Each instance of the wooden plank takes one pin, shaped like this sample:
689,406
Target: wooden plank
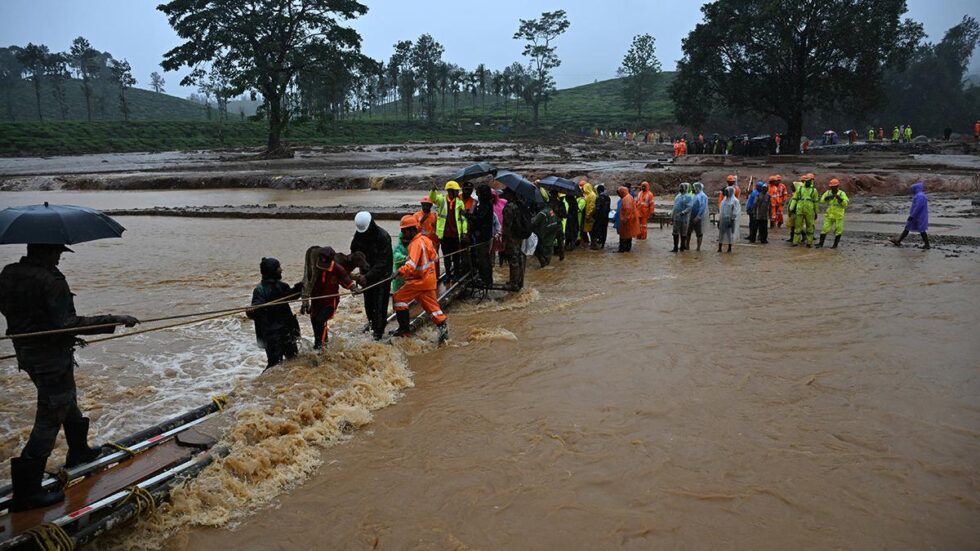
97,486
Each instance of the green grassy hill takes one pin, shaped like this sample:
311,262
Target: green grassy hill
143,104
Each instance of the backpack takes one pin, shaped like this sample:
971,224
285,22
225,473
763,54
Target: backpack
522,225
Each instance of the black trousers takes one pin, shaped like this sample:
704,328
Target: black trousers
483,263
763,228
453,264
376,301
57,406
599,233
319,322
279,347
753,228
625,245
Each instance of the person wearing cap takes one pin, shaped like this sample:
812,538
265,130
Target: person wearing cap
420,282
836,201
778,196
600,225
451,227
35,297
375,243
328,277
791,211
757,209
730,180
807,201
276,327
427,225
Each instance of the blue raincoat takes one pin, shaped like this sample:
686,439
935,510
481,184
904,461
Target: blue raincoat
919,214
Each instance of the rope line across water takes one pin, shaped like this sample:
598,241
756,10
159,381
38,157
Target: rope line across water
209,315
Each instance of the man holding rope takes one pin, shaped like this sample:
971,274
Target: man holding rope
35,297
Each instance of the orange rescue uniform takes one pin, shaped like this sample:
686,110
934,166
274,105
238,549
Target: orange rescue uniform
419,273
644,208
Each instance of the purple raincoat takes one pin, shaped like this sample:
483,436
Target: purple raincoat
919,214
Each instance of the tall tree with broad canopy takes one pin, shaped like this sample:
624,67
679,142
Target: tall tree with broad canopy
122,76
425,59
789,59
157,82
34,58
538,35
639,69
264,44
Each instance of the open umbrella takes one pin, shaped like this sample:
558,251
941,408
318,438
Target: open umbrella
521,186
561,185
474,171
55,225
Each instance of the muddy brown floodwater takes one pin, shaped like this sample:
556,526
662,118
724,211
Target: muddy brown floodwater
775,398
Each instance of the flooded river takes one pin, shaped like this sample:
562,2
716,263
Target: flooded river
774,398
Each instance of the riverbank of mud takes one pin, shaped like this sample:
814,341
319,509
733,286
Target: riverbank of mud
421,166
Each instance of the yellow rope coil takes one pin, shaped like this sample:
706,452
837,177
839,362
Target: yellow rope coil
51,537
142,498
221,401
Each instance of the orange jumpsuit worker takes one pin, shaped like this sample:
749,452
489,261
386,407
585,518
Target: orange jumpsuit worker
778,195
419,274
644,208
427,225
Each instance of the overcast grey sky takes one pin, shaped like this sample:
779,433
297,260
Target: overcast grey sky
590,50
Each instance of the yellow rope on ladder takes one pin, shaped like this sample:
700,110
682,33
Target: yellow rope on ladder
51,537
221,401
120,447
142,498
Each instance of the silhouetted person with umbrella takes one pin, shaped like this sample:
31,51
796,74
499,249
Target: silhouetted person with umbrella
35,297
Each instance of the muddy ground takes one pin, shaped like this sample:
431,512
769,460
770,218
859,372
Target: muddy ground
864,172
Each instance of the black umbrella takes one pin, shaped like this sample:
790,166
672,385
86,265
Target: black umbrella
55,225
521,186
473,172
561,185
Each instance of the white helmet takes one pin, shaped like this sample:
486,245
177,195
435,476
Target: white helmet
362,221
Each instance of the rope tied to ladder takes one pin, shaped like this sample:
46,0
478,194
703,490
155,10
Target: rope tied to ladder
142,499
51,537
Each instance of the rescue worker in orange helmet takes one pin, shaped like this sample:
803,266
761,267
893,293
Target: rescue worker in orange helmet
730,180
427,224
644,208
778,195
419,274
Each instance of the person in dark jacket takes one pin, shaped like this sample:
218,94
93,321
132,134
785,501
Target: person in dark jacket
34,296
375,243
276,327
483,226
561,211
601,223
513,241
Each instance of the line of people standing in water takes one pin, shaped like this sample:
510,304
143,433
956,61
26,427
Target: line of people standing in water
475,230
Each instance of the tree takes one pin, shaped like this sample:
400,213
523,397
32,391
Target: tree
157,82
34,58
122,76
56,71
405,77
790,59
264,44
538,35
10,72
83,58
639,69
426,57
482,81
930,94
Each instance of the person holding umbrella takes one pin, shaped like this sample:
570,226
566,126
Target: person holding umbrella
35,297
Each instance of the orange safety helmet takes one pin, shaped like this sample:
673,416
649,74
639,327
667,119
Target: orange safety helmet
773,178
426,201
730,179
834,182
808,176
408,221
778,178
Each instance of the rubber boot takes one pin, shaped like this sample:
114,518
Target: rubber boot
836,242
26,475
925,241
792,232
675,249
79,453
823,237
443,329
404,323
